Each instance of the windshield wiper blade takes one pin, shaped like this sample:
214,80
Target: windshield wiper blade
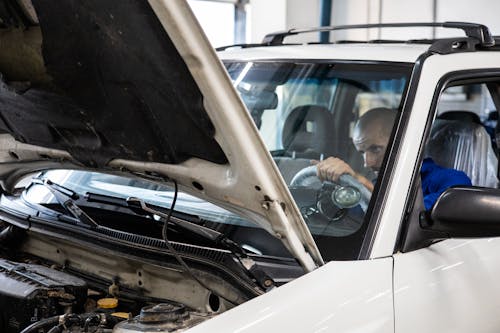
207,233
122,202
66,198
185,221
217,237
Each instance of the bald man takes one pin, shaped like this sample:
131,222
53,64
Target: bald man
371,137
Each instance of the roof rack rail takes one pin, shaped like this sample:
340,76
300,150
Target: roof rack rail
472,30
243,46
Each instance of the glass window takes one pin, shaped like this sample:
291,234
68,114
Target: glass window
315,115
461,148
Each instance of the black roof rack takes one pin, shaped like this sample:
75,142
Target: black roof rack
479,32
243,46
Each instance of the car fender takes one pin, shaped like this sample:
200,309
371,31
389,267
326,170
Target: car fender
341,296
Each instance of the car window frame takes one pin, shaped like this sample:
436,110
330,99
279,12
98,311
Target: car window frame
408,234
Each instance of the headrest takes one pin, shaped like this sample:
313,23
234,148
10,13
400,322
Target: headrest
308,128
467,116
465,146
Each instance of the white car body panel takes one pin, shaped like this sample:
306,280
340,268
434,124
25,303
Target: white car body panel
451,286
379,52
341,296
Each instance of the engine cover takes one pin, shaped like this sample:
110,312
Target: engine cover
31,292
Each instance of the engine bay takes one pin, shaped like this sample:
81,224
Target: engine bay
44,299
51,285
122,274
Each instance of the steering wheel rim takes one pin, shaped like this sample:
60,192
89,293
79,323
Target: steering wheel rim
306,174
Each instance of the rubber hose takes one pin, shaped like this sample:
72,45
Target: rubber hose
33,328
56,329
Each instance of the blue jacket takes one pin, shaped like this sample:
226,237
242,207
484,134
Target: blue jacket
436,180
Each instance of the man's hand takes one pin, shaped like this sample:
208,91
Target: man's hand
332,168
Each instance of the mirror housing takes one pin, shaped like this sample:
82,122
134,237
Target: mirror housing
465,212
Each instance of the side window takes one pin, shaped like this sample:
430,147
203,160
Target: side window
461,148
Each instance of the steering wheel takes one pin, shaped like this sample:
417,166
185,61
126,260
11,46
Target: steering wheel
348,189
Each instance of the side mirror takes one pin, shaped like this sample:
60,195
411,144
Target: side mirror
465,212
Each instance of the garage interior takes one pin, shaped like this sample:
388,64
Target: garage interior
248,21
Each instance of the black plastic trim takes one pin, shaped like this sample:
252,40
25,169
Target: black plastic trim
478,216
478,37
476,31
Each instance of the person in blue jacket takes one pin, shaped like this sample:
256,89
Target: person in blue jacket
371,137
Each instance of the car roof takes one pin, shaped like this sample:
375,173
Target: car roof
353,51
477,38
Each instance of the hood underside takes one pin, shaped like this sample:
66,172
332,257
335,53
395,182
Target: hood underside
111,85
134,86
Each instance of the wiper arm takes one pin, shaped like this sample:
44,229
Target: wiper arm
66,198
122,202
200,230
139,206
217,237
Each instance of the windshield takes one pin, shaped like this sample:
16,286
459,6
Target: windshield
322,121
308,114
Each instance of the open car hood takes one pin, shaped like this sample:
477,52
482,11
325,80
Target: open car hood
133,86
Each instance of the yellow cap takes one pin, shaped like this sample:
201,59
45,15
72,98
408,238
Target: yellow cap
107,303
124,315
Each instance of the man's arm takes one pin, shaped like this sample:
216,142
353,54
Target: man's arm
439,181
332,168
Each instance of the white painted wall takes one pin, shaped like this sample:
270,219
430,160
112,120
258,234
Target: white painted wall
273,15
220,32
303,14
276,15
266,16
406,11
480,11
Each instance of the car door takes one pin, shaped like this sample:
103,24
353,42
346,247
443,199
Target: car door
452,285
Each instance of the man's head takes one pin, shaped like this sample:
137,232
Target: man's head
371,135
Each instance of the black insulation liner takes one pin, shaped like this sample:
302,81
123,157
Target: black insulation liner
120,89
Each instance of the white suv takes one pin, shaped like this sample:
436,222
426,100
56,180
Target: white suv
148,186
405,268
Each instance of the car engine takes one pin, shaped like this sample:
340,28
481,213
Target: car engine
35,298
30,292
38,295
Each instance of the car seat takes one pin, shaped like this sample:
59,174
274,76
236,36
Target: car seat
465,116
308,132
470,117
459,141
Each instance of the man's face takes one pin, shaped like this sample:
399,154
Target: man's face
371,141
